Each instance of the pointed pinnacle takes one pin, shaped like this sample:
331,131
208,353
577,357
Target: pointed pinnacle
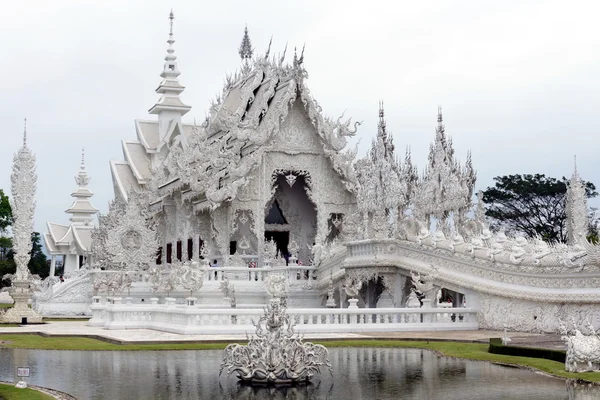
82,158
301,60
171,17
25,133
283,55
439,115
269,48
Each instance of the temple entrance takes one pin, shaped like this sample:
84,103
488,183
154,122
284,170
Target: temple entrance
281,239
290,216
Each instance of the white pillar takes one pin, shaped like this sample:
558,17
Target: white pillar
52,265
195,251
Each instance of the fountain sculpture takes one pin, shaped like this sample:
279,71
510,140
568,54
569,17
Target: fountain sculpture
275,354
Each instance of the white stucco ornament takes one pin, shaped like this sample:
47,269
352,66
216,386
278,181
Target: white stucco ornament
23,186
131,242
275,354
277,285
583,351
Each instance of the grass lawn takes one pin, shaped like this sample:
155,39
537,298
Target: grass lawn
470,351
5,305
9,392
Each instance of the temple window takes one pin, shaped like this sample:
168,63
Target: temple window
190,248
232,247
169,252
159,255
179,250
200,244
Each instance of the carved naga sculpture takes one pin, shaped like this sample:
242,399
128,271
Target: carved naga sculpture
583,351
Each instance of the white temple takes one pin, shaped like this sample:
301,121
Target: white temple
73,242
264,190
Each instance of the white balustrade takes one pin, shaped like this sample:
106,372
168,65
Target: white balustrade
294,273
190,319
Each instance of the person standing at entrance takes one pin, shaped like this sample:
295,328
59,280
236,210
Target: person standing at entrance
215,265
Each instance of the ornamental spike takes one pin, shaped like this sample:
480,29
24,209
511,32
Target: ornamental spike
245,50
282,59
269,48
25,133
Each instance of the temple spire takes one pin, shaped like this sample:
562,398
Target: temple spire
82,211
381,126
440,130
245,50
576,210
169,106
25,133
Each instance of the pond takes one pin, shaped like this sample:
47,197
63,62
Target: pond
358,373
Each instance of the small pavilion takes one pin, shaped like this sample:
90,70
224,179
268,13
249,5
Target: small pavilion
73,242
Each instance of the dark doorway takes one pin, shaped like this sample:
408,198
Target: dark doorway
281,239
275,215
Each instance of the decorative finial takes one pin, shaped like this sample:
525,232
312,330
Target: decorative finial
25,133
245,51
440,130
283,55
171,17
295,61
382,125
82,158
269,48
575,164
301,60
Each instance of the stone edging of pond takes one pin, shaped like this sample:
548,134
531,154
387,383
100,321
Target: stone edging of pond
57,394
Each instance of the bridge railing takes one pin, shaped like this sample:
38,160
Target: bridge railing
292,272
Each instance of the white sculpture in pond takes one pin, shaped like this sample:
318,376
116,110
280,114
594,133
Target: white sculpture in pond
275,354
583,351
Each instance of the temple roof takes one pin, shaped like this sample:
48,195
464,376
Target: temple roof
60,238
241,124
123,178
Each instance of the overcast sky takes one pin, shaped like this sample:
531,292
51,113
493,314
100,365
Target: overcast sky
517,80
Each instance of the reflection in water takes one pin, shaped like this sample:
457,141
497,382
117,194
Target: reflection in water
367,373
304,391
582,391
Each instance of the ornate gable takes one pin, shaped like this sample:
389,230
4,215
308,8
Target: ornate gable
297,133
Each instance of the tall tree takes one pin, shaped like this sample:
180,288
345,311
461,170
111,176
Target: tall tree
38,264
533,205
6,218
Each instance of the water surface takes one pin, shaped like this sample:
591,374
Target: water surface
358,373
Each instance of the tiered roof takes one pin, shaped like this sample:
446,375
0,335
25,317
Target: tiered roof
75,238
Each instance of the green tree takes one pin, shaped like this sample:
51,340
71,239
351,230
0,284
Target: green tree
38,263
6,218
533,205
